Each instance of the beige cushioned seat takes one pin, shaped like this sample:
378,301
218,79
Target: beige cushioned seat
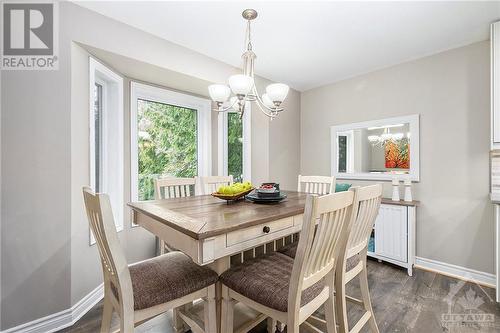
266,280
167,277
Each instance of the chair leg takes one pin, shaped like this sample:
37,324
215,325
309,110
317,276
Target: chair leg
330,315
340,299
271,325
329,305
365,295
177,321
227,311
211,311
293,328
107,314
127,323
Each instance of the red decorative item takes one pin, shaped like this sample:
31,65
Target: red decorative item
397,154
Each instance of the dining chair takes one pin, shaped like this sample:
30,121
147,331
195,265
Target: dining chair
352,262
316,184
319,185
210,184
143,290
289,290
172,187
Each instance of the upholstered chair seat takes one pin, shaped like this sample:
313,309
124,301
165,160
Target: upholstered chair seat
167,277
266,280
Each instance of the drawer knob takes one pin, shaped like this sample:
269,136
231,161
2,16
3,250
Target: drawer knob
266,229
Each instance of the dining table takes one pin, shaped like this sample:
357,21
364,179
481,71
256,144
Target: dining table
216,232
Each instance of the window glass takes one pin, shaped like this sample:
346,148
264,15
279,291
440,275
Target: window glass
97,137
235,146
167,143
342,153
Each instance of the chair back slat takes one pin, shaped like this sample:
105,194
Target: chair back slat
171,187
320,185
318,250
100,218
210,184
368,199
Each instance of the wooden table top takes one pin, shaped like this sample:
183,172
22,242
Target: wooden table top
204,216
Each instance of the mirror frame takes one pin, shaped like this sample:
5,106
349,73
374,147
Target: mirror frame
413,120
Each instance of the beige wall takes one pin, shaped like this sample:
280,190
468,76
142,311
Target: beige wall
451,93
284,144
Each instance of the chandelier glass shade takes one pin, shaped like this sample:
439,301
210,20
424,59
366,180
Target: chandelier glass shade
243,85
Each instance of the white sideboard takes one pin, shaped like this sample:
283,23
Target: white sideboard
393,236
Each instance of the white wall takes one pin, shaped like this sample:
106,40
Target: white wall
451,92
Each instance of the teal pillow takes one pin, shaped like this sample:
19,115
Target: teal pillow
340,187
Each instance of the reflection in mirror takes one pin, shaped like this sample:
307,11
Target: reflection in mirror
377,149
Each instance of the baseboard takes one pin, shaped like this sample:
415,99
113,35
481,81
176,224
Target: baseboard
459,272
63,319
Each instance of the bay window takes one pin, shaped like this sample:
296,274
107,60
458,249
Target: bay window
106,140
234,145
170,136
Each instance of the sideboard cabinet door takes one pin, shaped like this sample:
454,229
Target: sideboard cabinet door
391,230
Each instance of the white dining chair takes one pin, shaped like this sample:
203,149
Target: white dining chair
352,262
210,184
143,290
173,187
289,290
168,188
316,184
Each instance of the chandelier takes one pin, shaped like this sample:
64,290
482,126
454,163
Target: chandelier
386,136
243,85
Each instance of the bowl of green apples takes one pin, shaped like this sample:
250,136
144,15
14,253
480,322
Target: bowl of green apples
234,191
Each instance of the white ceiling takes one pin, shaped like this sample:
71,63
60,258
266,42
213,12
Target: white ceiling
310,44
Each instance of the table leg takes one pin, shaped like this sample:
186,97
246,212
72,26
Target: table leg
219,266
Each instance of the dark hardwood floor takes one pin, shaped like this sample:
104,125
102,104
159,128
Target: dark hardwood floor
425,303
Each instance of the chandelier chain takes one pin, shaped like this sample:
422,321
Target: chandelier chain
248,39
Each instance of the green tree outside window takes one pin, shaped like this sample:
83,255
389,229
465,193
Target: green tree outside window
167,143
235,146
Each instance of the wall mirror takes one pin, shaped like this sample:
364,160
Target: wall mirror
377,149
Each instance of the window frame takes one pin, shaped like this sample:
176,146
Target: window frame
349,149
162,95
222,165
112,99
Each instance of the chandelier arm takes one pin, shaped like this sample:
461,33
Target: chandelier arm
270,115
256,93
224,109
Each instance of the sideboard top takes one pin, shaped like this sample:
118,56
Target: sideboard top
389,201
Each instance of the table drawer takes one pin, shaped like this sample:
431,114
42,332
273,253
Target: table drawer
240,236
